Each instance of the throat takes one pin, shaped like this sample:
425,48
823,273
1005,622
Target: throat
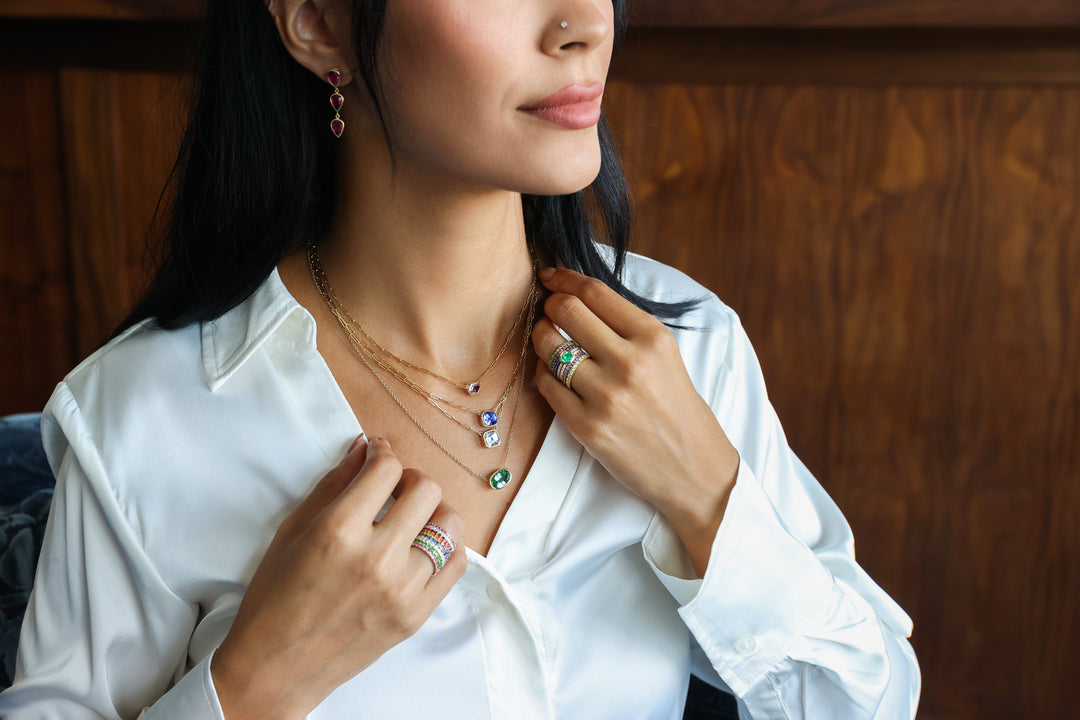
449,338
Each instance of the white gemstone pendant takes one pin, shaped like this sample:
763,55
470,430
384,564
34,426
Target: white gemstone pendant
491,438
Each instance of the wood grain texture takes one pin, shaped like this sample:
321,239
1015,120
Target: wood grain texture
35,289
850,57
907,262
104,9
856,13
678,13
894,214
151,46
121,132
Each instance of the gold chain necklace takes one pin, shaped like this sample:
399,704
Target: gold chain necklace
470,387
489,418
500,477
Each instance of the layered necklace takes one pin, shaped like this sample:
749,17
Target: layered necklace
373,355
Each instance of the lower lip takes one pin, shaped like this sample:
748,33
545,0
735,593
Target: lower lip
577,116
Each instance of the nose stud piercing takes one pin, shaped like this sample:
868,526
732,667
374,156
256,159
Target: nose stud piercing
564,24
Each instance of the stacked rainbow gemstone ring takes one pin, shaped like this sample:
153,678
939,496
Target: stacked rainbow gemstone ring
437,544
565,360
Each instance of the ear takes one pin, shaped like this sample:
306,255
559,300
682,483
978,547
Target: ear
317,33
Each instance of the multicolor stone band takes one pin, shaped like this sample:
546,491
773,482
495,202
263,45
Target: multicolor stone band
437,544
565,360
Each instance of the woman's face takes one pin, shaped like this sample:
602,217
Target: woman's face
497,93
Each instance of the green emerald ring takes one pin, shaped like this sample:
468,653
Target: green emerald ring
565,360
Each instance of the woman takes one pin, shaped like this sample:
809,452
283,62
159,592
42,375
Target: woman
512,524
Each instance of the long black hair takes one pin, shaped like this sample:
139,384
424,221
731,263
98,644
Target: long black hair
255,175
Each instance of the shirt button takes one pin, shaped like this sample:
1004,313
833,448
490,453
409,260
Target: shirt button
495,592
746,644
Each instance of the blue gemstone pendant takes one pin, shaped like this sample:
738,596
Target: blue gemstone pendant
489,418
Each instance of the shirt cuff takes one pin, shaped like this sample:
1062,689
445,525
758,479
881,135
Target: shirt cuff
763,587
193,698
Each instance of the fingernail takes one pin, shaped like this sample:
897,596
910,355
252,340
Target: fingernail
546,273
356,443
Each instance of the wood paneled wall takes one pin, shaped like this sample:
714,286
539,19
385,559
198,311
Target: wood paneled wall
907,261
894,213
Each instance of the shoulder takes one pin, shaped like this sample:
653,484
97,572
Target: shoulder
654,280
152,389
153,376
709,334
144,361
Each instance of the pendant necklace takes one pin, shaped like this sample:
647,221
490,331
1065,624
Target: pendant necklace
500,477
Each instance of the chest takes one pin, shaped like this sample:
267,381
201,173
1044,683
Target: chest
444,442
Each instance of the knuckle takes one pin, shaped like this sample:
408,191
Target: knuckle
623,366
453,524
593,289
562,308
635,375
385,464
659,338
457,566
379,570
424,488
403,614
412,621
608,405
334,533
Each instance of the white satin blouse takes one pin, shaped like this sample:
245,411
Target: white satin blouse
177,455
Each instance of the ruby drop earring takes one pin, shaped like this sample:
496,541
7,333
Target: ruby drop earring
337,125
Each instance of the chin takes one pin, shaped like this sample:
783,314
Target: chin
563,178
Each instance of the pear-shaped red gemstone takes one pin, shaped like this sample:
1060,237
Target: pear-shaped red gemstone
333,77
336,100
337,126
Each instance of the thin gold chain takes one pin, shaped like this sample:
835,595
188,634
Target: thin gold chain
433,399
501,476
340,312
472,388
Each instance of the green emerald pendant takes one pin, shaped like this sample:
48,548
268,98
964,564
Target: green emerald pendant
500,479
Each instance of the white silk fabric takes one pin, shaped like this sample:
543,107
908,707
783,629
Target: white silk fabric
178,453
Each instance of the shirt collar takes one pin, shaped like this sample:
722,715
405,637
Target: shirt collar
231,339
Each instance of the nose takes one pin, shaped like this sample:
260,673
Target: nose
577,26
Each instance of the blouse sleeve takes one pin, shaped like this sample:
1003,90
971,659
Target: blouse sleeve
103,636
784,616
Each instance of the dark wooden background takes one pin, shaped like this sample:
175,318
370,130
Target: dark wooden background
887,191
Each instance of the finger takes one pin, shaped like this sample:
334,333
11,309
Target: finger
546,341
327,489
613,310
566,403
372,484
570,313
452,525
417,498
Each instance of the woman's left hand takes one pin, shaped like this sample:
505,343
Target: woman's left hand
634,408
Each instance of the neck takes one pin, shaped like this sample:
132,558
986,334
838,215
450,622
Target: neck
433,270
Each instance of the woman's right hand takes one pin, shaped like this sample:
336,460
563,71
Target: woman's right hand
335,590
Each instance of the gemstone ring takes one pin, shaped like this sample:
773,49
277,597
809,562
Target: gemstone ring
437,544
565,360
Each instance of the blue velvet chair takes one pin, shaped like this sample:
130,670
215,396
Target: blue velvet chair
26,489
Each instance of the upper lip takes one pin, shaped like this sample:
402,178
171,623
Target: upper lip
570,95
